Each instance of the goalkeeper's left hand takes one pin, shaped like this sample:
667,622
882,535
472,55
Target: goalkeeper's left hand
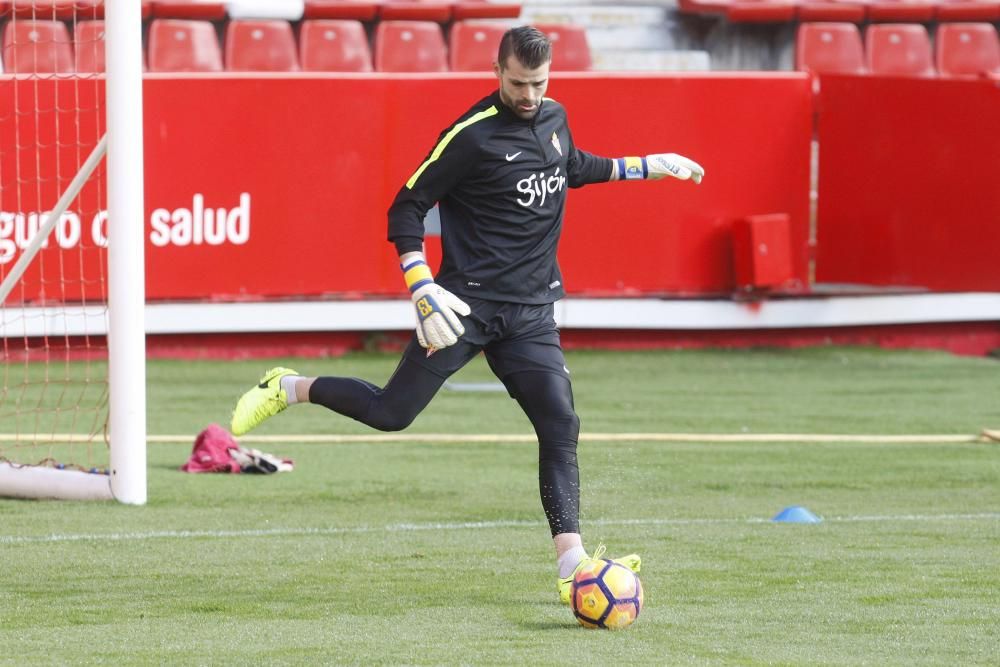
672,164
657,166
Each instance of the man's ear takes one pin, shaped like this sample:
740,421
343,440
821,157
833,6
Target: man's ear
496,69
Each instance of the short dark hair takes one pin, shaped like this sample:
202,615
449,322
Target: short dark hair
529,45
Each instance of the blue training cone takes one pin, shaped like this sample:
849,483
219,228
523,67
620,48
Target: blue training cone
796,514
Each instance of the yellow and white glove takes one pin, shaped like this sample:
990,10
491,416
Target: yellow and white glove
438,325
657,166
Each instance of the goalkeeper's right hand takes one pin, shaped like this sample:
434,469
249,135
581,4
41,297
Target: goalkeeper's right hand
438,325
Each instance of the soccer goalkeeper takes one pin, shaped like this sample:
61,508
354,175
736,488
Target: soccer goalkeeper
499,176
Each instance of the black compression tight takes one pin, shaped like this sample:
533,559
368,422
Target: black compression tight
545,397
407,393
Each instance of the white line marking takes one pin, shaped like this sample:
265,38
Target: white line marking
468,525
986,435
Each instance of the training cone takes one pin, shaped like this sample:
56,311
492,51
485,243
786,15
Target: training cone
796,514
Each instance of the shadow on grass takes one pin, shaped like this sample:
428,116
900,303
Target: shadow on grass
173,467
545,625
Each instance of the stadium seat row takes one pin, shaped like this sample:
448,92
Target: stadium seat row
854,11
441,11
327,45
960,49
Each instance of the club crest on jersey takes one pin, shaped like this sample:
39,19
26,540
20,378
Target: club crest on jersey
556,144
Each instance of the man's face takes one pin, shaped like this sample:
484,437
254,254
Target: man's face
522,89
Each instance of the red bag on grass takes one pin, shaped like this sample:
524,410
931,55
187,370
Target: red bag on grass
215,450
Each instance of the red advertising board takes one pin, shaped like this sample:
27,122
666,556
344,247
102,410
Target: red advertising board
262,187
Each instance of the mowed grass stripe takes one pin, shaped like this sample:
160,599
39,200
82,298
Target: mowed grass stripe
985,436
468,525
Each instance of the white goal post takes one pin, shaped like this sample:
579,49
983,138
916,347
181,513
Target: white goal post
125,478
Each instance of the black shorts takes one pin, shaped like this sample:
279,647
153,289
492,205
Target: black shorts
515,337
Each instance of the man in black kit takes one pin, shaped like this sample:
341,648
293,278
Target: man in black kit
499,176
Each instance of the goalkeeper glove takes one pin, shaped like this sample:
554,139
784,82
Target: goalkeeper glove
657,166
438,325
256,461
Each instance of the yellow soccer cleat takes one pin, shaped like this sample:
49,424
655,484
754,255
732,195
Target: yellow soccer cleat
565,586
261,402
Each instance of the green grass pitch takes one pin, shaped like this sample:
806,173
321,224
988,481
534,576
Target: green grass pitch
428,553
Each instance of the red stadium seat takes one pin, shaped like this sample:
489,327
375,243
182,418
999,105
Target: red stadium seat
570,50
833,10
177,45
967,49
37,46
416,10
410,46
829,48
473,45
260,46
348,10
968,10
327,45
916,11
206,10
58,10
63,10
899,49
761,11
88,46
481,9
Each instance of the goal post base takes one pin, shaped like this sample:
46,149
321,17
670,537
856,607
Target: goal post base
41,482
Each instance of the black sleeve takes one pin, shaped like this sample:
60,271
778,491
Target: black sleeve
440,171
584,167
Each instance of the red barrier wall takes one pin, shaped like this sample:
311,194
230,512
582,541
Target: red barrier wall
909,183
43,141
306,166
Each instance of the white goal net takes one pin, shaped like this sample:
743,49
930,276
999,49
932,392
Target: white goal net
60,229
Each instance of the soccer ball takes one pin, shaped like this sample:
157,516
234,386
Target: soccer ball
606,594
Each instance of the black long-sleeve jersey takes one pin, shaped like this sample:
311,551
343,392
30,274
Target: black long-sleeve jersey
500,183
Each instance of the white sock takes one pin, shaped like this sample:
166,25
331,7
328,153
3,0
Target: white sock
569,560
288,384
